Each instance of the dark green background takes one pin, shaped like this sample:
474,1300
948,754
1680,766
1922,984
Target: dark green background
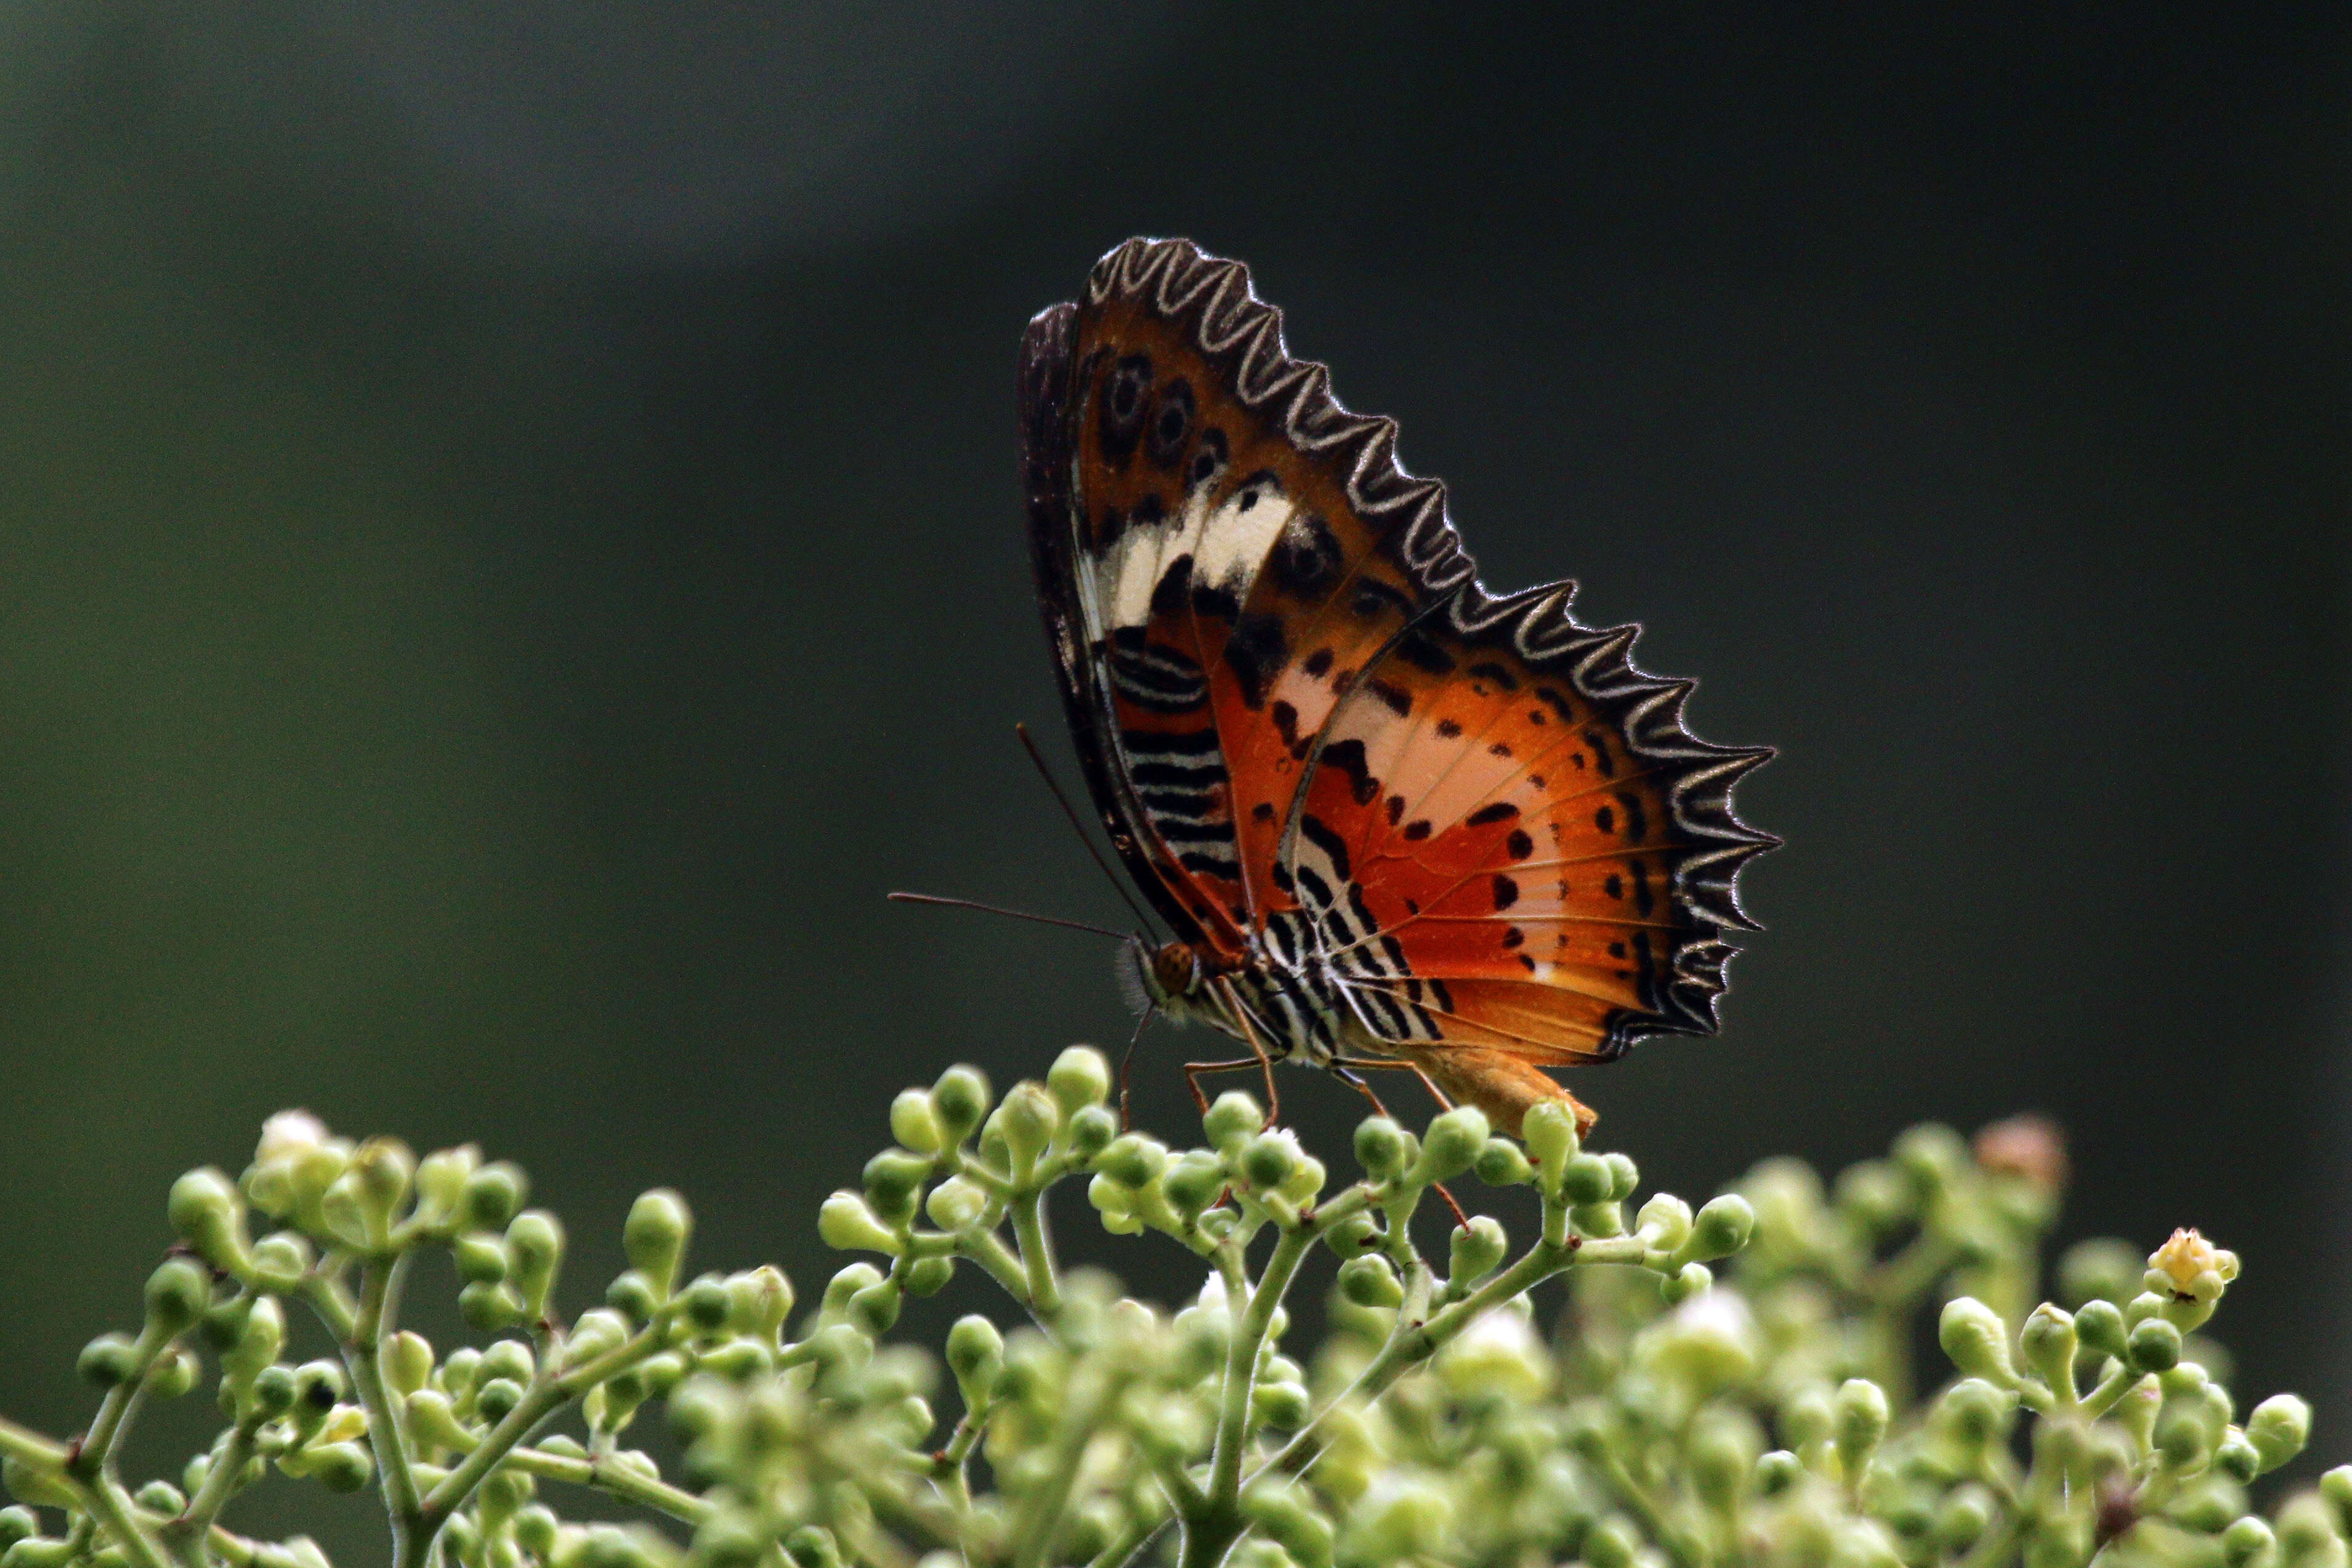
509,546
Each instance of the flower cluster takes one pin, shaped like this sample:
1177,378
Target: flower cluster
1666,1419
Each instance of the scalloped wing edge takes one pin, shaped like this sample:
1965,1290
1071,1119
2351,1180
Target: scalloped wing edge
1179,279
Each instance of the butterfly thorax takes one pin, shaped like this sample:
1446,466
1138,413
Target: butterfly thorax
1283,999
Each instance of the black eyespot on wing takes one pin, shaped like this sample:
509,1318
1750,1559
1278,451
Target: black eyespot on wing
1419,651
1124,400
1318,664
1256,651
1501,811
1486,670
1393,698
1175,585
1208,459
1506,892
1348,756
1171,423
1307,557
1518,847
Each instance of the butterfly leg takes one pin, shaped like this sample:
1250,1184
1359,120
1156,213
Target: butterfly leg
1265,1061
1126,1121
1195,1071
1376,1064
1343,1069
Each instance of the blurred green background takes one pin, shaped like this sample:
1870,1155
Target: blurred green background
509,546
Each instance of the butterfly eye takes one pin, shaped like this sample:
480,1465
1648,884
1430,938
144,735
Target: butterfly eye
1172,967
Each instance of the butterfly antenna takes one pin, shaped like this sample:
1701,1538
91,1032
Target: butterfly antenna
1000,910
1126,1121
1029,744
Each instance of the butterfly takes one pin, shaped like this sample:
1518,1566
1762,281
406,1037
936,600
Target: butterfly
1391,819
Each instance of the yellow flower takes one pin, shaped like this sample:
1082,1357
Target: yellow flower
2193,1266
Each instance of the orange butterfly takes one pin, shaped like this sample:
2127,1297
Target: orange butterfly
1392,820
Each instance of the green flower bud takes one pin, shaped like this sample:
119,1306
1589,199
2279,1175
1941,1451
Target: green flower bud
1283,1404
173,1374
407,1362
2335,1486
1932,1156
758,1301
1587,1179
1962,1520
481,1259
1549,1131
177,1294
929,1275
1860,1415
1268,1159
209,1213
2278,1428
1722,1228
17,1523
655,1237
1027,1121
1193,1182
960,1098
1975,1412
490,1307
1777,1471
497,1399
1976,1338
1450,1144
1475,1251
1691,1280
109,1360
955,1203
1290,1521
1078,1077
2100,1269
975,1352
876,1308
494,1195
1233,1117
279,1260
275,1389
2153,1346
161,1496
2236,1458
1665,1222
1347,1237
2307,1534
1623,1176
1371,1281
1876,1196
382,1171
534,1250
1133,1161
848,1225
2099,1326
339,1467
915,1124
2049,1341
707,1304
534,1530
1501,1164
812,1546
894,1180
1382,1148
441,1182
1091,1129
2246,1540
739,1360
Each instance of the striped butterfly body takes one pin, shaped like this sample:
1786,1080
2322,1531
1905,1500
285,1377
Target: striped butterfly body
1392,820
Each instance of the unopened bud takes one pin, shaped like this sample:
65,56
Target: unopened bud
1860,1415
960,1100
1475,1249
208,1212
1233,1117
976,1355
1371,1281
1028,1120
407,1361
1721,1228
1193,1182
494,1194
1134,1161
177,1294
1976,1338
894,1182
1382,1148
1091,1129
1450,1144
534,1250
1586,1179
2153,1346
2247,1541
2049,1340
1549,1130
2099,1326
655,1237
1268,1159
915,1124
1078,1077
2278,1428
955,1203
848,1225
1502,1165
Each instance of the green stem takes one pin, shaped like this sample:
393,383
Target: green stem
987,1249
619,1480
1036,1253
112,1509
186,1535
2110,1391
26,1447
1044,1508
362,1348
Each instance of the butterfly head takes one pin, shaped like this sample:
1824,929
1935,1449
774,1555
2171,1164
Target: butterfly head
1164,977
